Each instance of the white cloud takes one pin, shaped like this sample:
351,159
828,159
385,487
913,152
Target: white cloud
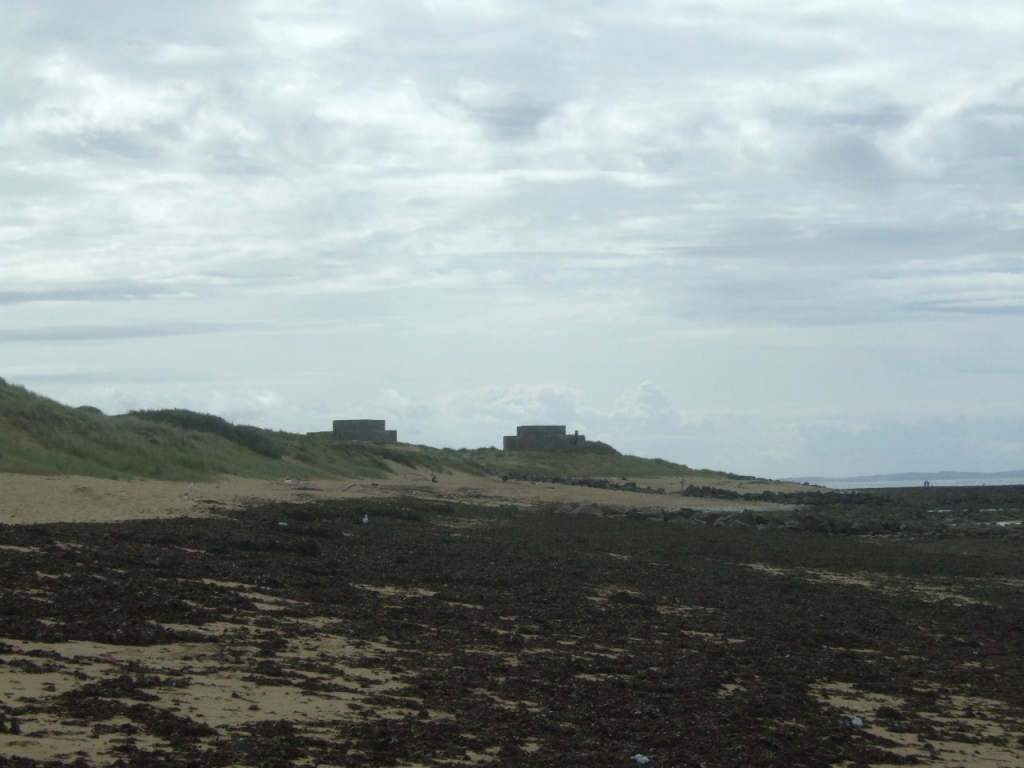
779,215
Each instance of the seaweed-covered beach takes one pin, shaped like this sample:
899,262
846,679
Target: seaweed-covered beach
416,631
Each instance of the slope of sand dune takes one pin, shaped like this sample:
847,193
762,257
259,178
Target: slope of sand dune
44,499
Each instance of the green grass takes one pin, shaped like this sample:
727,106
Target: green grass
41,436
594,459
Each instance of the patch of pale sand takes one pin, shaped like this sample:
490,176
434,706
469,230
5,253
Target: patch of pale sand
929,593
226,698
20,685
988,720
47,737
37,499
727,689
738,484
49,499
492,491
484,757
268,602
600,677
512,706
228,584
461,523
402,592
684,610
88,652
716,638
602,594
321,642
51,738
218,693
217,699
261,601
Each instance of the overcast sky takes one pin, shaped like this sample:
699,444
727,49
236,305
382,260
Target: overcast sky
774,237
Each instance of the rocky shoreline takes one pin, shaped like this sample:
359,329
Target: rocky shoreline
908,513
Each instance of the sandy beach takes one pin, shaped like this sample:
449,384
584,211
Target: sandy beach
210,636
43,499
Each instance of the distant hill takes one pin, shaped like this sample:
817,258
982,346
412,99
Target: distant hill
41,436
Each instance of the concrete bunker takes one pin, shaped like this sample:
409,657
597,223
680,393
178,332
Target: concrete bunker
369,430
548,437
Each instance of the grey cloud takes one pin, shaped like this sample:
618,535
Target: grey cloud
972,307
878,118
92,292
983,143
510,121
539,186
92,25
852,159
106,145
85,333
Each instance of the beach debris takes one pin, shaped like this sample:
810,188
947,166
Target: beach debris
289,481
366,518
283,524
190,492
854,721
640,759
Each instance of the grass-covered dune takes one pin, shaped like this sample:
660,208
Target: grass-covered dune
41,436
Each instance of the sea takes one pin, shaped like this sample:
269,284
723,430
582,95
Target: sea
859,484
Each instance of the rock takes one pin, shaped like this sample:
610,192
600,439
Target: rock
686,512
747,518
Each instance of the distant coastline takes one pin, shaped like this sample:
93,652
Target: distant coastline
911,479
